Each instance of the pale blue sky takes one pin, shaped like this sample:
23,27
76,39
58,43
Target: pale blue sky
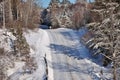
46,2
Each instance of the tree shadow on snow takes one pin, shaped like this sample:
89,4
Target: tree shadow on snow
68,34
79,53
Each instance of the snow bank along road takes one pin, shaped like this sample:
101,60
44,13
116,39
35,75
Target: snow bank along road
67,58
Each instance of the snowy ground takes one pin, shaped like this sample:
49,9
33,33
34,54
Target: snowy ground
38,42
67,58
71,59
6,40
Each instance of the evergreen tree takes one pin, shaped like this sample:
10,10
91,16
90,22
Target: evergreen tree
55,1
81,1
65,1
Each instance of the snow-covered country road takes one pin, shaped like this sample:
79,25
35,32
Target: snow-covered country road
70,60
60,56
66,52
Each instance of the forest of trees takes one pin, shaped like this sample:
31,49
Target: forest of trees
18,11
101,17
16,16
66,14
107,32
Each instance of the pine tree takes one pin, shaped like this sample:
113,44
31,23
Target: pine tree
55,1
107,38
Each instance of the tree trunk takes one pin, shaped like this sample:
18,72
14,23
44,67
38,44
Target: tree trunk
10,11
114,71
3,14
29,11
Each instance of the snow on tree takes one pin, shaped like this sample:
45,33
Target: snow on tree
107,34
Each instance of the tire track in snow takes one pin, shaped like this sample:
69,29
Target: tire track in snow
48,57
42,52
62,58
40,72
69,60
